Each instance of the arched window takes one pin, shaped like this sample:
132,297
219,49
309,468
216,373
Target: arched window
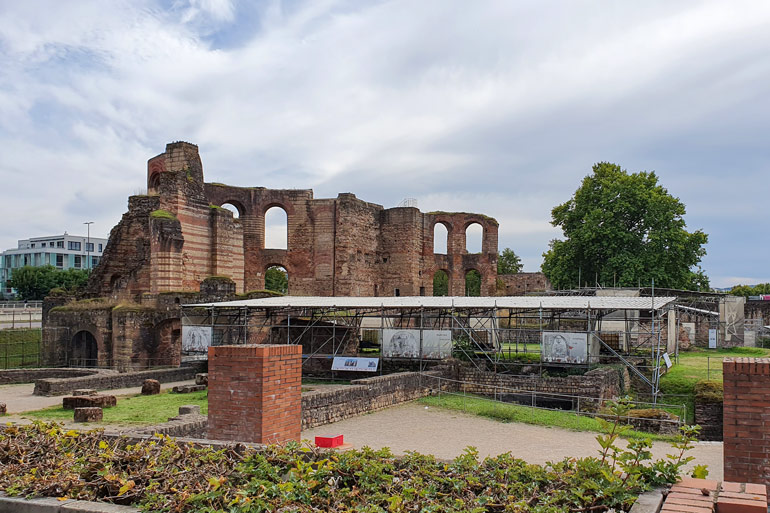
232,208
440,239
276,228
473,283
277,279
474,234
441,283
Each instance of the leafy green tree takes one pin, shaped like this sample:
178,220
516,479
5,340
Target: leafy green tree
34,283
473,283
750,290
508,262
624,229
277,280
440,283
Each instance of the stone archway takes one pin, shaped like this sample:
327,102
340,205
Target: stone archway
83,350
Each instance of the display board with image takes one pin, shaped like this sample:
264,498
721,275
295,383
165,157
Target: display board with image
405,343
565,347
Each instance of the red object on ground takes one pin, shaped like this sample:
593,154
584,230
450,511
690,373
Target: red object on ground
328,441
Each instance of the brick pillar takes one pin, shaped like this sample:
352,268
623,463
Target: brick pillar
747,420
255,393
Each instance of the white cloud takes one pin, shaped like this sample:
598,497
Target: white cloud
500,109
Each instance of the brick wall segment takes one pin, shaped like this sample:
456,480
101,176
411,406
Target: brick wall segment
746,418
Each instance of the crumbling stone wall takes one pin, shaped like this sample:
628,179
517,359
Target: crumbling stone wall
520,284
177,235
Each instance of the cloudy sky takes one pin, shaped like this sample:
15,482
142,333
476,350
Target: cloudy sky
494,107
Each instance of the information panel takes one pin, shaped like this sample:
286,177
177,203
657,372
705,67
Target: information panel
346,363
196,339
565,347
406,343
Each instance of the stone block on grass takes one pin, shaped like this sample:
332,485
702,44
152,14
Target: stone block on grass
186,389
151,387
202,378
190,409
93,414
3,409
84,391
89,401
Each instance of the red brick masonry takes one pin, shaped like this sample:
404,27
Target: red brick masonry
255,393
706,496
747,420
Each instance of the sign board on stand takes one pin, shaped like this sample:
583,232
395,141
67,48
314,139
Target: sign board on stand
712,338
351,363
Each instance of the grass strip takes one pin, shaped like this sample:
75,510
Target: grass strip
507,412
138,409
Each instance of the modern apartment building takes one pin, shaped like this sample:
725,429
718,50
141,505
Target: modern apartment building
61,251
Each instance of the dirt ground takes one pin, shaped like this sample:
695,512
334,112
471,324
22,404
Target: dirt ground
446,433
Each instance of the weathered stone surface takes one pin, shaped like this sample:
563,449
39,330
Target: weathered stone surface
87,401
190,409
3,409
84,391
151,387
202,378
90,414
186,389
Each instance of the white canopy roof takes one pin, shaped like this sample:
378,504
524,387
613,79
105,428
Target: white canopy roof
390,302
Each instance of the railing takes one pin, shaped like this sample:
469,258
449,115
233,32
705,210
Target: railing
21,305
581,405
19,348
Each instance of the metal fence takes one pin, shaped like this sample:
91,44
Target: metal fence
19,348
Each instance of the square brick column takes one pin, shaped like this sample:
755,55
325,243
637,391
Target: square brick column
255,393
747,420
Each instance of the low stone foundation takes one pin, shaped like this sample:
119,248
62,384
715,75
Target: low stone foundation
593,387
364,396
91,414
89,401
17,376
108,380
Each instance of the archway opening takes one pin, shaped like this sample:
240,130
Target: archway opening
276,228
473,283
153,187
84,351
277,279
440,239
474,234
441,283
232,208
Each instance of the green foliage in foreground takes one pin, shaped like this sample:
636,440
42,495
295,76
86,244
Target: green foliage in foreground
139,410
509,412
163,475
19,348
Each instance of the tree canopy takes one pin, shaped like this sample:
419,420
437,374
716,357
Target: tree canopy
34,283
624,229
751,290
508,262
277,280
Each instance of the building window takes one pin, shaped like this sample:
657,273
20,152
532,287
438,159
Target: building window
94,261
33,244
396,292
75,246
90,247
60,244
43,244
59,260
100,248
77,261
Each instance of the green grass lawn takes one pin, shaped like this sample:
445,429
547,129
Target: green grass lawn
507,412
697,365
19,348
138,409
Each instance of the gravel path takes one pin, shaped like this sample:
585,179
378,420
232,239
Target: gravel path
446,433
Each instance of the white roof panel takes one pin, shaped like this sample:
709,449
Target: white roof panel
547,302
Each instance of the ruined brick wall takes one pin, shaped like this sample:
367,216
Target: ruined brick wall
758,310
255,393
520,284
747,419
365,395
177,235
595,386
